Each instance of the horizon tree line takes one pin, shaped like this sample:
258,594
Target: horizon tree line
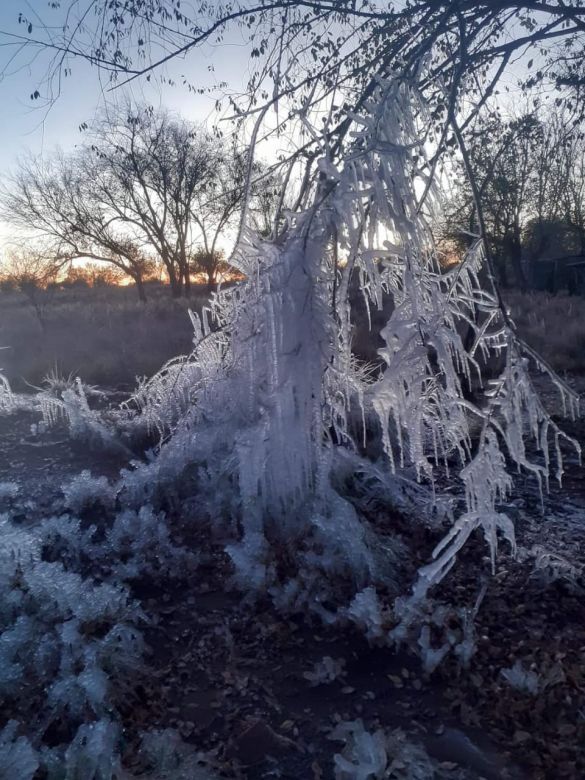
144,188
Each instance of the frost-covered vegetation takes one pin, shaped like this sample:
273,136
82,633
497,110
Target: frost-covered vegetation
268,405
70,632
312,472
264,426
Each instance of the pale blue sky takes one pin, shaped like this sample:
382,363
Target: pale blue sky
28,126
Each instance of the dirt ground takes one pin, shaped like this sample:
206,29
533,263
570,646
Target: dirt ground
230,675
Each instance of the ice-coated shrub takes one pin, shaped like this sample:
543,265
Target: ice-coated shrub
64,539
134,544
273,392
57,593
141,545
70,407
368,756
65,640
85,490
18,759
94,752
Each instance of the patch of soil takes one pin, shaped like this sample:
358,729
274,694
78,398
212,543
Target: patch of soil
230,676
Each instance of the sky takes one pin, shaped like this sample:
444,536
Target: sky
29,126
34,126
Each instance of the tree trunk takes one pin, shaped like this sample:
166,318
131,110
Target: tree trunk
516,257
140,289
175,284
186,283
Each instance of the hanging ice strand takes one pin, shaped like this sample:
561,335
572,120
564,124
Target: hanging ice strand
425,416
279,384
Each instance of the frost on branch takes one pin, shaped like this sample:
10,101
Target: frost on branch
272,394
6,396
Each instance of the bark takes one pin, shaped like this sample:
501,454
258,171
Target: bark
175,284
140,289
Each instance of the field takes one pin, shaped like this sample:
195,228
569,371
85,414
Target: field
554,325
104,335
108,338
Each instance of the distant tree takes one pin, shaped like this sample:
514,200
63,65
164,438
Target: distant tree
146,186
530,176
211,264
57,203
95,275
154,170
32,274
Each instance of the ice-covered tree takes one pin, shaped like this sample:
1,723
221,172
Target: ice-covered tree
270,411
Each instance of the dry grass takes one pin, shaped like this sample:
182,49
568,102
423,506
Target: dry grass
105,336
554,325
109,338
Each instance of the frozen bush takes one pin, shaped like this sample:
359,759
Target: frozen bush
63,638
64,539
141,545
18,759
85,490
69,406
272,390
64,595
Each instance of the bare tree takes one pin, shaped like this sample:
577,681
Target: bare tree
31,273
154,172
324,55
530,178
212,264
147,186
56,203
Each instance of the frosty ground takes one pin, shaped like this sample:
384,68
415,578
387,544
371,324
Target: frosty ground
260,695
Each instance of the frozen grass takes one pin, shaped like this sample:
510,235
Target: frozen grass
554,325
105,336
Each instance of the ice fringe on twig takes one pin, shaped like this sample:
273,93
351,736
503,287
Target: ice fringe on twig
6,395
272,388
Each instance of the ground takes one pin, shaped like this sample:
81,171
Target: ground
230,675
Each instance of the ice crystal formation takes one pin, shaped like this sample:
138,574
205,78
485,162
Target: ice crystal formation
262,430
272,399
